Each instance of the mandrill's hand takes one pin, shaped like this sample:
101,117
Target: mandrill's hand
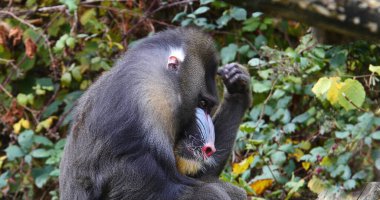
235,77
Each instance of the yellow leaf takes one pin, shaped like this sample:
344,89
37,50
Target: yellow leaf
239,168
17,127
305,145
25,123
316,185
333,93
45,124
22,123
290,141
326,162
374,69
2,158
306,165
260,186
118,45
298,153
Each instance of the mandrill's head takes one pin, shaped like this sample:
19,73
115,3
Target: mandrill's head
183,89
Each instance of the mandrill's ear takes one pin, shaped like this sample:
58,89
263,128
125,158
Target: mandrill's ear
176,57
173,63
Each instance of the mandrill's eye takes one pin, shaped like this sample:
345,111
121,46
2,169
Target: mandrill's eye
173,63
203,104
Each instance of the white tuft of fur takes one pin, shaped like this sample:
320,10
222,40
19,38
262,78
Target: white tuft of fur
179,53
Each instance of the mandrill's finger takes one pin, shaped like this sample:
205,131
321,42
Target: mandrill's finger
220,71
233,72
225,71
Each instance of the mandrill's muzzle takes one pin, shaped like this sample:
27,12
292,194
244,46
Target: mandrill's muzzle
205,128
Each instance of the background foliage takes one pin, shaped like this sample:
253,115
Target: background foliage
312,126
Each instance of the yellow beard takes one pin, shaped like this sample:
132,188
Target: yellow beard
187,166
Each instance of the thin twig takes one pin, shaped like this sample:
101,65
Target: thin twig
352,103
267,99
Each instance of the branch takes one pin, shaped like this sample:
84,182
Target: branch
358,19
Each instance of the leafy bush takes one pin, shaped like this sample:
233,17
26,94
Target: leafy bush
313,124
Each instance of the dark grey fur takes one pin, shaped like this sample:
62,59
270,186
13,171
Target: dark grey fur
127,124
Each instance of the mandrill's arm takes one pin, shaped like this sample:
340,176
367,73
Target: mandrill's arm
237,99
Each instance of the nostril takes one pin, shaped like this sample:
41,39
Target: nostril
208,150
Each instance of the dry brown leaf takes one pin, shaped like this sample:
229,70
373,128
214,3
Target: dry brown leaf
4,31
129,3
141,4
16,35
260,186
15,111
30,48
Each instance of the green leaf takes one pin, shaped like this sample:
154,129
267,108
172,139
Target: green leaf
60,44
265,73
305,145
257,14
22,99
25,139
319,52
360,175
318,151
4,179
349,184
40,153
178,16
66,79
72,5
374,69
376,135
251,24
223,20
239,14
45,82
87,16
55,172
201,10
354,91
339,59
278,158
342,134
186,22
301,118
13,152
51,109
377,164
38,139
70,42
76,73
290,128
203,2
41,175
28,159
261,86
256,62
30,98
288,148
321,87
260,40
228,53
60,144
